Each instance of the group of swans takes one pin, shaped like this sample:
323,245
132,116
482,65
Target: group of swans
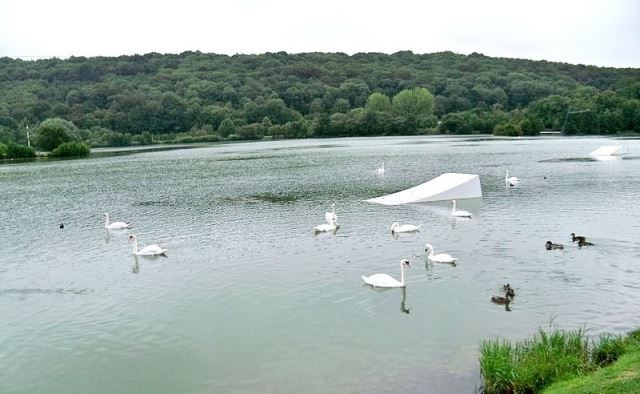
332,221
149,250
387,281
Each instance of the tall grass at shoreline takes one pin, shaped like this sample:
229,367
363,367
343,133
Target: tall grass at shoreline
548,356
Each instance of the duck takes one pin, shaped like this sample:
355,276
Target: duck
575,237
501,300
551,246
509,290
61,225
405,228
149,250
440,257
330,216
381,169
115,225
583,242
384,280
510,180
458,213
331,226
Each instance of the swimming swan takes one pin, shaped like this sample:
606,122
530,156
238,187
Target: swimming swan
405,228
331,216
440,257
510,180
331,226
384,280
458,213
115,225
149,250
381,169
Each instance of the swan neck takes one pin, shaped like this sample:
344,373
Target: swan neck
106,219
453,209
135,245
402,273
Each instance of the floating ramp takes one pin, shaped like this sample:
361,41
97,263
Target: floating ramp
449,186
607,150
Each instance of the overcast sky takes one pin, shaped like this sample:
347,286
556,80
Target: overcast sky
598,32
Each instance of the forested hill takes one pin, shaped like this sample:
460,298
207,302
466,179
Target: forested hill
313,94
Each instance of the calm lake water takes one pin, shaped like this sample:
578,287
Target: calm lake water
250,300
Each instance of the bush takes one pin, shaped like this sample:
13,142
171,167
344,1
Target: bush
15,151
608,349
71,149
507,129
3,150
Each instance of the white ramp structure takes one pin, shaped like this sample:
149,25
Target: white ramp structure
607,150
448,186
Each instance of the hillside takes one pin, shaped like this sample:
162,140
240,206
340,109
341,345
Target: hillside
312,94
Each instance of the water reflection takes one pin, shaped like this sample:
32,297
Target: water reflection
403,307
135,267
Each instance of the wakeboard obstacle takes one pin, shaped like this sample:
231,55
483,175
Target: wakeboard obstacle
607,150
448,186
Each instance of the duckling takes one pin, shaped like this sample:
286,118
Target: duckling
582,243
551,246
575,237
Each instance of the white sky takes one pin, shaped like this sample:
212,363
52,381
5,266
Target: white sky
598,32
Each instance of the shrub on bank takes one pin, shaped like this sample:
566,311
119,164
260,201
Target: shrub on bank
71,149
16,151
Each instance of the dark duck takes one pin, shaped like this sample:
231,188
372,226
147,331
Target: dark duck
583,242
551,246
575,237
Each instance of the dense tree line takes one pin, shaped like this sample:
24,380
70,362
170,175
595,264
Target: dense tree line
205,97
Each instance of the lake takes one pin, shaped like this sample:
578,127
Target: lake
250,300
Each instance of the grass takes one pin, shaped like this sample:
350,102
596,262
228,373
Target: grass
622,377
562,356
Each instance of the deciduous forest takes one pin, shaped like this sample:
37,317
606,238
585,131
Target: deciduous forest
194,96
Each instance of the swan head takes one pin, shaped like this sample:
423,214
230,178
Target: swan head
394,225
132,237
405,262
428,247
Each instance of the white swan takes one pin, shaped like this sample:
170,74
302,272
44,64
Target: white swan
458,212
331,226
510,180
381,169
405,228
115,225
331,216
384,280
149,250
439,258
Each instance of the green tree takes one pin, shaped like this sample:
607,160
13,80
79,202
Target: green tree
414,102
378,102
53,132
226,128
